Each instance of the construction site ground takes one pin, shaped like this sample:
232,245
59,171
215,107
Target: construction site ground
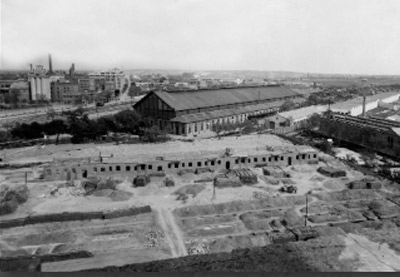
207,220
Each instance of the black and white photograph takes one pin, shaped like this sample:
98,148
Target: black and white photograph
200,136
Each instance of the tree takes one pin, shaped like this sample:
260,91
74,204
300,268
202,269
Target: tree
314,121
287,106
134,90
129,121
153,134
55,127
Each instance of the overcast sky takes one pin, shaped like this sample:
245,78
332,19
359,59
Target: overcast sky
326,36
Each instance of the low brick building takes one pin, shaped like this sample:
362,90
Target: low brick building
174,164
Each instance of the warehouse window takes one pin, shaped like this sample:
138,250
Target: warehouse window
118,168
282,158
190,164
110,168
255,160
264,159
212,163
102,169
150,166
176,165
128,168
219,161
198,163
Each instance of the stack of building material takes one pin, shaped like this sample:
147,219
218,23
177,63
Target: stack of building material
227,182
141,180
282,237
359,184
305,233
246,176
366,183
275,171
331,171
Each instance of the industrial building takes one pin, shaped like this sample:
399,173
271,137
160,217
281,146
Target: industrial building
380,135
113,77
354,106
195,112
40,88
297,118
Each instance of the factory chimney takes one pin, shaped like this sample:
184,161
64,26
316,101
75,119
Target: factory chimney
363,107
31,67
50,65
364,99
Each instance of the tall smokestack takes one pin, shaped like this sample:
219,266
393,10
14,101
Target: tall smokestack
364,104
364,81
50,65
31,67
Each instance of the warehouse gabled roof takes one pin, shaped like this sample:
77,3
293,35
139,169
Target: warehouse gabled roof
208,98
209,115
305,112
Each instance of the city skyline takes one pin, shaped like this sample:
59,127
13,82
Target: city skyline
342,37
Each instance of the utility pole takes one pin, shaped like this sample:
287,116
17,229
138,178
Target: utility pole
305,219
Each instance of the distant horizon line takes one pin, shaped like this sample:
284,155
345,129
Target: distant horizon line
216,70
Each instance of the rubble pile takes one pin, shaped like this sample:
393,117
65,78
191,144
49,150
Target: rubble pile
260,195
169,182
154,238
96,183
141,180
200,248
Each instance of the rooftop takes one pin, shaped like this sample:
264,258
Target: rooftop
207,98
196,117
304,112
352,103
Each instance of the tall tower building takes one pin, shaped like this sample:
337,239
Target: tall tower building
50,65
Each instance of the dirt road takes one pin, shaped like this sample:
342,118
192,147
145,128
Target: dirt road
371,256
172,233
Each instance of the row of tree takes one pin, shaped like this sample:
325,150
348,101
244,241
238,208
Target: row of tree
83,129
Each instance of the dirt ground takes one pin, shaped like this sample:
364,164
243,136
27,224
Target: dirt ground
219,220
370,256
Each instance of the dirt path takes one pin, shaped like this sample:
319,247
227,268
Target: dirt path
371,256
172,233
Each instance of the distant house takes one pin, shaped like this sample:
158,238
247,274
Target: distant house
22,90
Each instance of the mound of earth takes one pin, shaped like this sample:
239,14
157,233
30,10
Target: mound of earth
10,198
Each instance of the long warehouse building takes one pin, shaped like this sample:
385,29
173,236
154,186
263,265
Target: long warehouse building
194,112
